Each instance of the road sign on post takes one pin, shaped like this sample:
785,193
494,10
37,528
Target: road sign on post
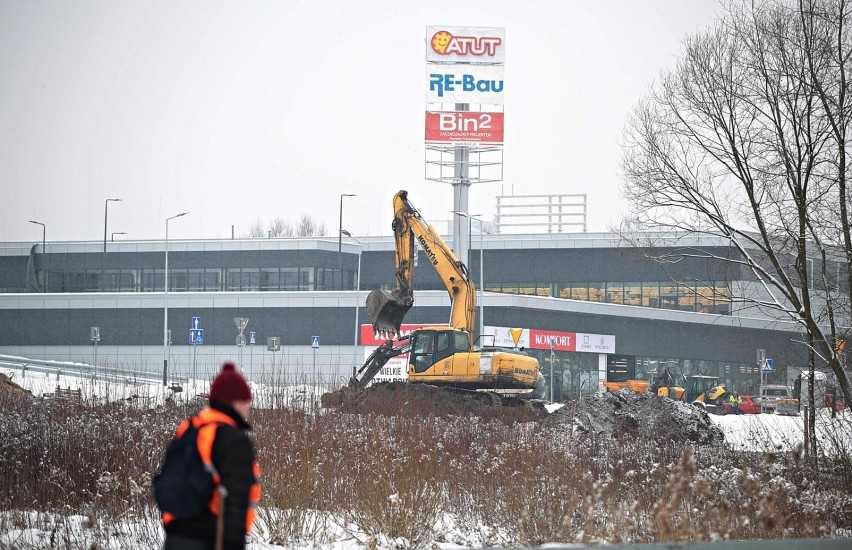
196,336
768,366
315,346
273,343
252,340
241,323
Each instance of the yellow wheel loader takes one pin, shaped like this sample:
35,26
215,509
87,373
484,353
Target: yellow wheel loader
441,355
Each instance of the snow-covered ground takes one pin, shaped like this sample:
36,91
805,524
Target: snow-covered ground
32,530
302,395
772,432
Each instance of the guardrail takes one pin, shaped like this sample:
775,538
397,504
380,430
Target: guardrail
82,370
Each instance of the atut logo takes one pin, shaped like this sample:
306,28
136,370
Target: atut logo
441,83
444,43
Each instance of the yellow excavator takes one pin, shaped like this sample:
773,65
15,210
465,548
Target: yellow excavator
441,355
701,390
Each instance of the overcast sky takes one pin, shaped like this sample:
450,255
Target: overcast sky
234,110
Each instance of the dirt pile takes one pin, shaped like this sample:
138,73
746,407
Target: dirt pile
626,414
9,387
392,398
622,415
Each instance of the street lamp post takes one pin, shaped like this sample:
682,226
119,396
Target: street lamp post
481,268
106,213
43,253
166,304
114,233
357,306
340,238
103,257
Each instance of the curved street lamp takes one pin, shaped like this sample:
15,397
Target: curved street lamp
166,304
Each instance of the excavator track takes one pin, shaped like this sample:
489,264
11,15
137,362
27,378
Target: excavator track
393,398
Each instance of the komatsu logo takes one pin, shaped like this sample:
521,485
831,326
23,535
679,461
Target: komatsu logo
525,372
427,250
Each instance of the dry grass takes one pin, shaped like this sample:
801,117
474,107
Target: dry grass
375,477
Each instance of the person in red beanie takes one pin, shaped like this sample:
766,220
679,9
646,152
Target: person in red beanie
226,516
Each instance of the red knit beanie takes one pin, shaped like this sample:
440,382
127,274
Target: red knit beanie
229,385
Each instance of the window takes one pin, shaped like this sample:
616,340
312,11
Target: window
527,289
195,280
289,278
650,294
704,299
128,281
633,294
443,349
579,291
178,280
461,342
668,296
212,280
597,292
615,293
250,279
423,351
686,298
269,278
153,280
234,279
93,281
721,299
810,272
306,278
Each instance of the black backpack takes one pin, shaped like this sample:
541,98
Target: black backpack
183,487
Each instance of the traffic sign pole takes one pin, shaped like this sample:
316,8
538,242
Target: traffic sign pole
315,344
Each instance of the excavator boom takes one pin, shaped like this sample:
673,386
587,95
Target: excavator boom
388,309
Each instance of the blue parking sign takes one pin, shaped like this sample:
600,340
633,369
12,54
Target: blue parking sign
196,336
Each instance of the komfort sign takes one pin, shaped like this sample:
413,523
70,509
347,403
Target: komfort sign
397,368
465,45
464,127
532,338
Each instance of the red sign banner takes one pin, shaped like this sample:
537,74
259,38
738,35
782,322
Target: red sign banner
464,127
370,337
562,341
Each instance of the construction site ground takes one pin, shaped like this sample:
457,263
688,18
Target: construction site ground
622,414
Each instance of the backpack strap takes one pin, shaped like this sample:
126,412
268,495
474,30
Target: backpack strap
207,422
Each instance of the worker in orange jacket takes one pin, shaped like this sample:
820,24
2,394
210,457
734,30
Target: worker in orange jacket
228,456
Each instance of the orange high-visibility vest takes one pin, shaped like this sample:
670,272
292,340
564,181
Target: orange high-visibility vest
206,422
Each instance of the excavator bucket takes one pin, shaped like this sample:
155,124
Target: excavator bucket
387,310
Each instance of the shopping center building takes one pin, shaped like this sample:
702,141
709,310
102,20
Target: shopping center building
611,311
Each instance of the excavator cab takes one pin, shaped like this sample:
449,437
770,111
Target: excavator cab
698,384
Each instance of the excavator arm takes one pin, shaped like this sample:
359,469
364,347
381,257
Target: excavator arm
374,363
388,309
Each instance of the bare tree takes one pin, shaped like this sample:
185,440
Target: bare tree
256,229
308,227
279,227
739,142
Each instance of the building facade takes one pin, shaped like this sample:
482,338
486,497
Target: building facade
679,316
